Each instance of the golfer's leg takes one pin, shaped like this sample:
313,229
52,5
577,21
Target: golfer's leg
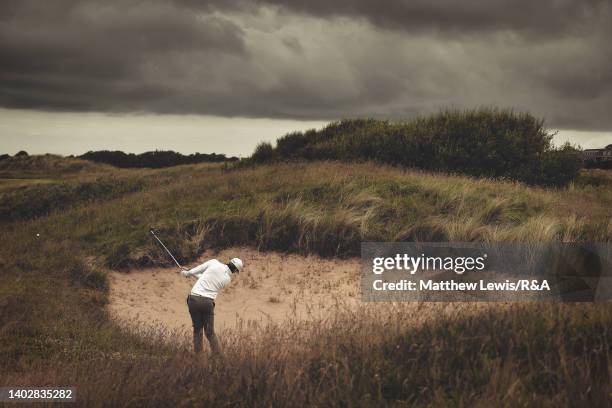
197,320
209,329
197,339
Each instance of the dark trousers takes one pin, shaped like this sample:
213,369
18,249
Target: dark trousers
202,311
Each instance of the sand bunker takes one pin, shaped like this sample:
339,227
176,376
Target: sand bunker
273,288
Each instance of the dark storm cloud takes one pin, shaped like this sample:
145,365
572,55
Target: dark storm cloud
70,54
450,16
309,59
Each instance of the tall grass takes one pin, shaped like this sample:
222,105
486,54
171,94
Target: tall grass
40,199
55,330
325,208
392,356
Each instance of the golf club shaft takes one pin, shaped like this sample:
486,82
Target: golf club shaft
167,250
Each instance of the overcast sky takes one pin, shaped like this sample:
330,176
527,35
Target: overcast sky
220,76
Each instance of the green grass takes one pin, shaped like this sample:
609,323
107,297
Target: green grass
55,328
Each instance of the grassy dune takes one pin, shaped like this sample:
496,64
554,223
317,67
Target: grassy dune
54,287
325,208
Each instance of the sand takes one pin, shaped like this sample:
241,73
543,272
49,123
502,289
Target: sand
273,288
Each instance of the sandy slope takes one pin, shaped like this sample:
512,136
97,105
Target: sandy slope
273,287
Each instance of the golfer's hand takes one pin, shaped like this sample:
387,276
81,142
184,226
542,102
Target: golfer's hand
184,271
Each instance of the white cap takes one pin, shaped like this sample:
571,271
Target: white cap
237,262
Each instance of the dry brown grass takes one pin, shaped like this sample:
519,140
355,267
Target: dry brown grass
466,355
55,329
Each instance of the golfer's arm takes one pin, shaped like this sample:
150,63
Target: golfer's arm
197,270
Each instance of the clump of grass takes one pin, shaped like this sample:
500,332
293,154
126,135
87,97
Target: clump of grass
85,274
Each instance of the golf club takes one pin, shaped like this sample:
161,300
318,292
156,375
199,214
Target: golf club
167,250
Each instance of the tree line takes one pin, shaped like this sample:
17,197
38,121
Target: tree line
154,159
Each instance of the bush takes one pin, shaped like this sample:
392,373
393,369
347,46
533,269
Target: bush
592,164
264,152
482,143
560,166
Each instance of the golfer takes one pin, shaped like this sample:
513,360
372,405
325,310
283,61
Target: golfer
212,276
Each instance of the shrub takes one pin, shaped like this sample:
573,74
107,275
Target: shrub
560,166
482,143
264,152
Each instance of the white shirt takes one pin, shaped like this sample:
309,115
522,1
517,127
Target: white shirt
212,277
